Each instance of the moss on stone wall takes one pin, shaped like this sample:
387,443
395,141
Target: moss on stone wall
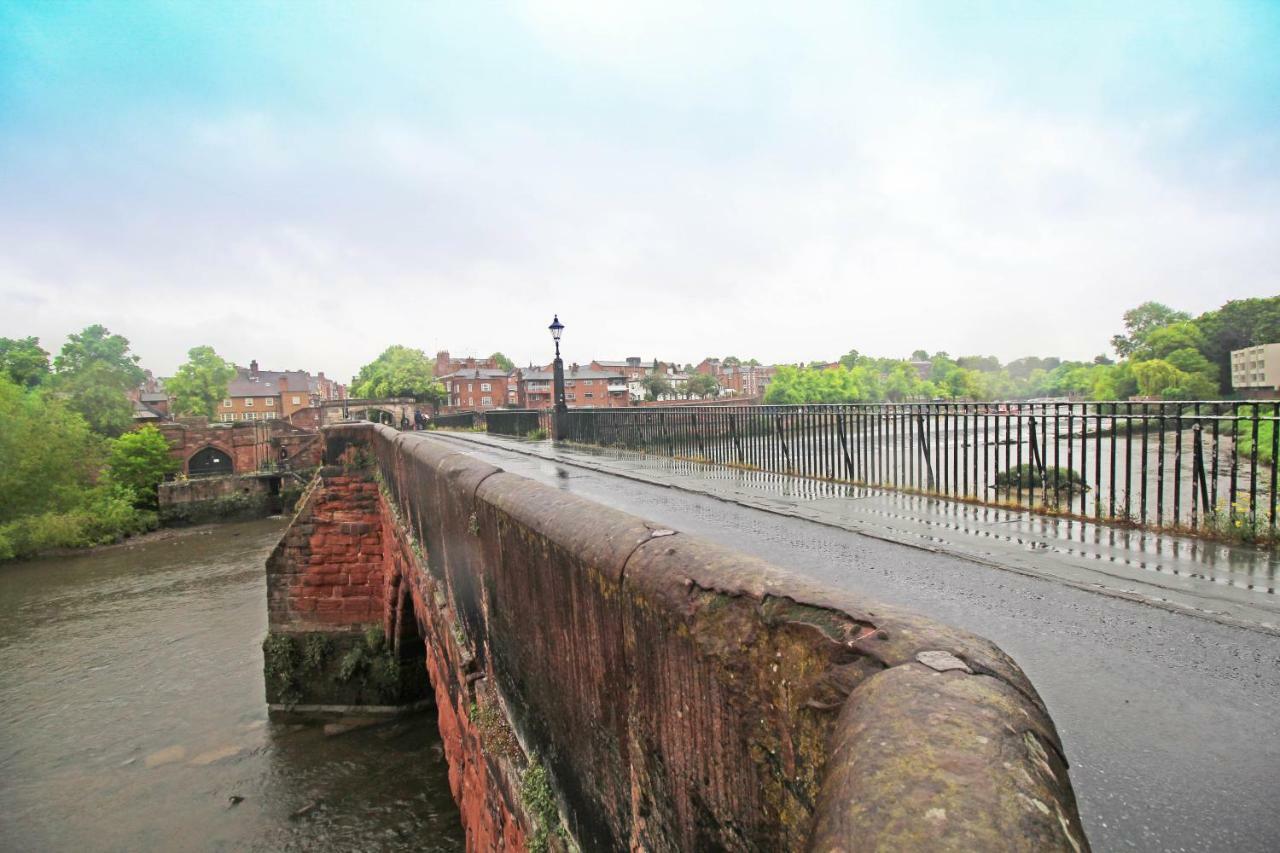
338,669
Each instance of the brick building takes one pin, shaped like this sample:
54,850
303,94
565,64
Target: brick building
744,380
478,389
446,365
240,448
583,388
633,367
263,395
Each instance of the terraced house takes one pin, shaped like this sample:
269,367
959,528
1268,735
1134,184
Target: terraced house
478,389
263,395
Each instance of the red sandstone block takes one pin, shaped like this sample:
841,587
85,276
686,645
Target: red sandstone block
328,605
356,605
304,605
321,580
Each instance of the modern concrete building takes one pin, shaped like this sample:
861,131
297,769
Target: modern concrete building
1255,371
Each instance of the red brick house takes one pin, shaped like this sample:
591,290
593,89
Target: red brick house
477,389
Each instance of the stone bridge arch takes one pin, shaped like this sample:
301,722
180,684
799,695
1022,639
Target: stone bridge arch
209,461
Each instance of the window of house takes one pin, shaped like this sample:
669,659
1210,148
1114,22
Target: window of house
486,401
226,404
471,386
271,401
248,402
228,416
569,396
588,395
297,400
485,386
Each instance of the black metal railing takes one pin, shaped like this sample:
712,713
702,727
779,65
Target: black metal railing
457,420
1203,466
518,422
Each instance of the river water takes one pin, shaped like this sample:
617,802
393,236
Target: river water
132,716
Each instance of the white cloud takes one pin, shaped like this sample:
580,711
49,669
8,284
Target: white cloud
863,200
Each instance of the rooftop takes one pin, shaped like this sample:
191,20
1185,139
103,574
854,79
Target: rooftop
266,383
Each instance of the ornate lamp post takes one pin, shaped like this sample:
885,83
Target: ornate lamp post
557,388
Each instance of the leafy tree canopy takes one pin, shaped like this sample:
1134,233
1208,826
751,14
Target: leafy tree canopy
94,372
703,385
24,360
400,372
200,383
1142,321
503,362
48,454
97,393
140,460
1238,324
656,386
96,346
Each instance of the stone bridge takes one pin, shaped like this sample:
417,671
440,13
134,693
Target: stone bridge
388,410
605,684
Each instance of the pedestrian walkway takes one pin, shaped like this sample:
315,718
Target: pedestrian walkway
1227,583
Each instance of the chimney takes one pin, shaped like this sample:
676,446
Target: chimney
253,368
574,367
284,384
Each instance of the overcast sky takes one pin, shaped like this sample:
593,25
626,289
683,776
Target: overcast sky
305,184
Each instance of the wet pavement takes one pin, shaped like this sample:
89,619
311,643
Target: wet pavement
1233,584
1170,715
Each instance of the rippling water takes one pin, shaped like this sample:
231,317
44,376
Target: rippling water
132,716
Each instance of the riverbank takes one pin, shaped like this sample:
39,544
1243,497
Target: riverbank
141,540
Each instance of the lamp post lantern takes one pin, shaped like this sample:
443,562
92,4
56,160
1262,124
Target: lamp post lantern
557,390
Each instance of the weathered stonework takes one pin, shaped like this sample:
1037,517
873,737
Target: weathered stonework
604,682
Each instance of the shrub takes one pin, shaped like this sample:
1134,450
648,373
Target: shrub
1028,476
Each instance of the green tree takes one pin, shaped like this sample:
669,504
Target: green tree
1164,340
1156,376
1238,324
50,462
48,454
920,355
703,385
97,346
983,363
503,362
400,372
200,383
97,392
24,361
851,358
94,372
656,386
1140,322
139,461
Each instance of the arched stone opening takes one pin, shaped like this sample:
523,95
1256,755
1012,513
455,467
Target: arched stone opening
210,461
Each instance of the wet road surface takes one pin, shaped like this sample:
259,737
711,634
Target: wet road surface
1171,721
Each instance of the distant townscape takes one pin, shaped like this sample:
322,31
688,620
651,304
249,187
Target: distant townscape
87,436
